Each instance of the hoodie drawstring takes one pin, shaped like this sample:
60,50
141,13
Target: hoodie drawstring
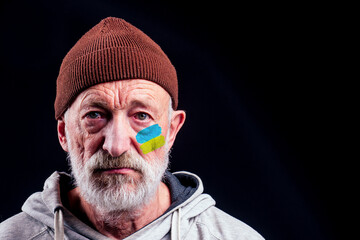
59,225
175,225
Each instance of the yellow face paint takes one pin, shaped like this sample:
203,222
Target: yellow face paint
152,144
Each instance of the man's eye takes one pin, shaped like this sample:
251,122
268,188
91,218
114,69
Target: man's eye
93,115
142,116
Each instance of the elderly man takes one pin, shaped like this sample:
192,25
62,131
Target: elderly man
116,102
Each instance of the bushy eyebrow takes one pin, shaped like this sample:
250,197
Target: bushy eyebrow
154,110
92,100
94,103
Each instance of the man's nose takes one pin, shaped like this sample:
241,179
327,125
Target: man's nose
117,138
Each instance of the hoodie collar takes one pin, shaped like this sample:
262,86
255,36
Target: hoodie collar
186,194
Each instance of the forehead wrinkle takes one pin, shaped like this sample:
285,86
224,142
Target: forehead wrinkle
139,97
147,88
119,94
95,95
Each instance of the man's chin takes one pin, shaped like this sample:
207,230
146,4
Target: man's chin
108,195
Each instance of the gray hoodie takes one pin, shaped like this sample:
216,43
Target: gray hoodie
192,215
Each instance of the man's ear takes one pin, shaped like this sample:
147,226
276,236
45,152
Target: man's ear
61,134
177,121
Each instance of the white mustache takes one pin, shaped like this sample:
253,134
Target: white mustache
101,161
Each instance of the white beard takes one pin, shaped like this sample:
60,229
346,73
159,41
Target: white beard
116,193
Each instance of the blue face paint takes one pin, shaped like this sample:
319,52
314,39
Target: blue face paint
148,133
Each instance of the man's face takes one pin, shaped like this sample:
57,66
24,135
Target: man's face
106,156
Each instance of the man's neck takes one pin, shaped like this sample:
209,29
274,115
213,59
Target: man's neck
118,225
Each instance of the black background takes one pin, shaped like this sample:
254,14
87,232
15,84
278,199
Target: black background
257,83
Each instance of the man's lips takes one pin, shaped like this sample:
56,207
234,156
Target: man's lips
116,170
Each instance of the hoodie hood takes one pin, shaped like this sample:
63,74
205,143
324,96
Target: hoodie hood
187,197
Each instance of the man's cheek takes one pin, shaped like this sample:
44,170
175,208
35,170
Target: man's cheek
150,138
91,146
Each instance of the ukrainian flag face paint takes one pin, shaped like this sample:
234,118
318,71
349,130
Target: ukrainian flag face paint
150,138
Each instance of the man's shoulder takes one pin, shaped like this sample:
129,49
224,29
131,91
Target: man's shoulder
224,226
23,226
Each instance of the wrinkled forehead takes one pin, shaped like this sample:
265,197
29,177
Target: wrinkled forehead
125,93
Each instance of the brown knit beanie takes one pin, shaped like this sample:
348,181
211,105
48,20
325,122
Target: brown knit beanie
112,50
